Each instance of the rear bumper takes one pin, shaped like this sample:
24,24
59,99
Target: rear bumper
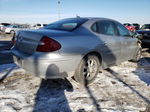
50,68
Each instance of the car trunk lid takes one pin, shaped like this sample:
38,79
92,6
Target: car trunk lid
27,41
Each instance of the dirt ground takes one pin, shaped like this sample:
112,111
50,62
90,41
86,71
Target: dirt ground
5,37
122,88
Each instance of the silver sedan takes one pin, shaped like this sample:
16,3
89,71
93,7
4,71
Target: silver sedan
75,47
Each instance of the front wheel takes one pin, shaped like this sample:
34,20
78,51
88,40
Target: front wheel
87,69
138,55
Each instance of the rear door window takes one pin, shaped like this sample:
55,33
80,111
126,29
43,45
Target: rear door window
122,30
107,28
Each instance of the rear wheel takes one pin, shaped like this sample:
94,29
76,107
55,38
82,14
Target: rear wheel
87,70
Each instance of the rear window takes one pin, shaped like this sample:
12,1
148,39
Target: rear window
66,24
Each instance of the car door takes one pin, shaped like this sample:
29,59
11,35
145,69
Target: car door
111,43
128,43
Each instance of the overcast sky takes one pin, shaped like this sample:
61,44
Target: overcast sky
46,11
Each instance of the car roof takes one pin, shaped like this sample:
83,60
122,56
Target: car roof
93,18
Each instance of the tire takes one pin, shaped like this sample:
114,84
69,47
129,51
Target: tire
87,70
138,55
12,32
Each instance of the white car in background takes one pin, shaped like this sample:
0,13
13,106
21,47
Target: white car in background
37,26
3,26
13,28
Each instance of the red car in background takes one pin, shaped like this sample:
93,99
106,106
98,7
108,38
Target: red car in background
129,27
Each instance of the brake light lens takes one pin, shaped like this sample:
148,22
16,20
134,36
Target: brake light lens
48,45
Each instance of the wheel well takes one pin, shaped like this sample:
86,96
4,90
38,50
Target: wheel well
97,54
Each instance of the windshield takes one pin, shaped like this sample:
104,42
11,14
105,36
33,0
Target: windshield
146,26
66,24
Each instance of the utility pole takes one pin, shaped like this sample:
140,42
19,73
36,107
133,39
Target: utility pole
58,9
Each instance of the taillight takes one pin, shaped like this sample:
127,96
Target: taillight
47,45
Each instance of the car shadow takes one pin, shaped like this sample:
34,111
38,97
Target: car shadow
143,70
51,97
115,74
93,98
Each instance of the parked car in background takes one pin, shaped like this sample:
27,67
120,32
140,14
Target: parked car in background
37,26
145,27
129,27
136,25
3,26
13,28
74,47
145,31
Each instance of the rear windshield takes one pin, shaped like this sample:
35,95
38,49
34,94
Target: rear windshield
66,24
